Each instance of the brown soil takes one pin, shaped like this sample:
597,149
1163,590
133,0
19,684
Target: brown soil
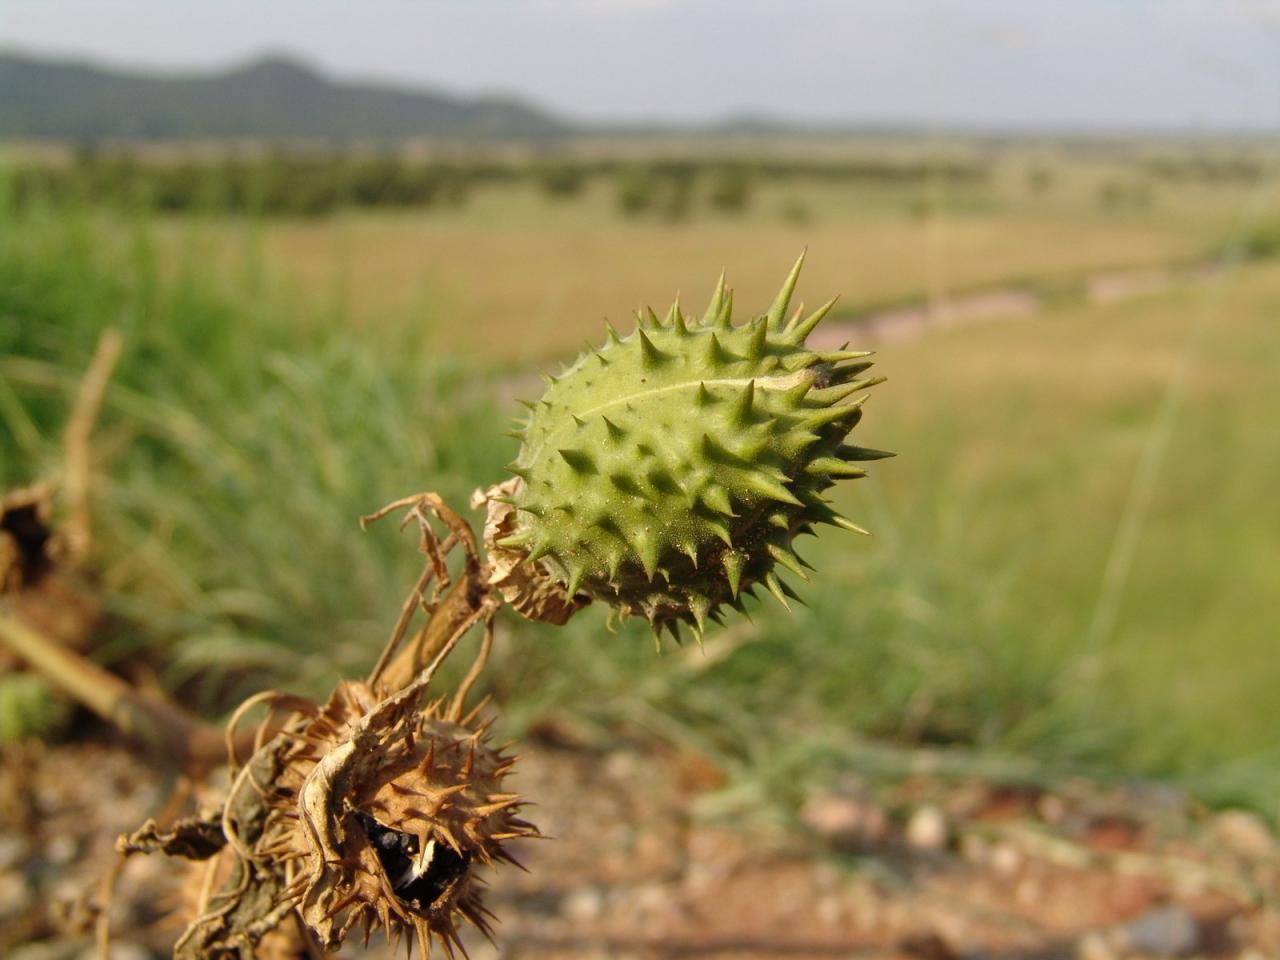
918,869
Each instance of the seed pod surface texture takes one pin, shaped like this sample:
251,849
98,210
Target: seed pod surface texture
384,814
670,471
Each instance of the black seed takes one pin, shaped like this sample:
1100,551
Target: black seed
398,854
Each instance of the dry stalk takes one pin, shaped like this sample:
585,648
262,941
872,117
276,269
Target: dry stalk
46,612
165,730
372,810
78,529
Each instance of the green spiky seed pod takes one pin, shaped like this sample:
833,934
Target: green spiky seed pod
670,471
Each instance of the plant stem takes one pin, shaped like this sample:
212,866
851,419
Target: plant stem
468,601
163,728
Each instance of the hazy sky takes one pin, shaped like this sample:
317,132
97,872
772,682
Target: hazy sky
1154,63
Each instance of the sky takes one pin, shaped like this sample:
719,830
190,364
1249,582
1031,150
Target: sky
1134,64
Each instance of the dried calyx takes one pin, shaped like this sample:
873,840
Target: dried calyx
375,811
27,541
671,471
387,812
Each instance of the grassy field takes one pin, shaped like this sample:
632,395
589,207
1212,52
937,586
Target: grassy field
283,377
517,276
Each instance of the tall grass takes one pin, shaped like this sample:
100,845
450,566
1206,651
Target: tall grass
243,436
237,448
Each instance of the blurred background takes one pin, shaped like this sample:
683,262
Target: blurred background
340,240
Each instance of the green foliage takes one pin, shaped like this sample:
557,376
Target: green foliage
1261,242
239,447
636,192
1040,179
795,211
278,183
243,435
28,708
730,190
561,179
1124,195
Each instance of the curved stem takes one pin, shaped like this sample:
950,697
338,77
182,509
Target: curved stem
163,728
467,602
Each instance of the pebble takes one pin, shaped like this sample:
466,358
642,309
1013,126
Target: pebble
1246,834
1095,946
1029,891
928,830
15,894
1006,859
654,901
1052,808
1168,930
974,848
47,950
582,905
61,849
13,851
830,910
827,878
845,822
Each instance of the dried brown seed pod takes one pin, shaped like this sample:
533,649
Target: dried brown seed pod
384,812
531,591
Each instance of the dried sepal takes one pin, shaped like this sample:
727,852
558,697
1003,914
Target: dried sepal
371,811
27,540
385,812
529,589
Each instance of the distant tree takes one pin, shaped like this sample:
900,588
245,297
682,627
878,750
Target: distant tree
730,190
1040,178
561,179
676,194
635,191
796,211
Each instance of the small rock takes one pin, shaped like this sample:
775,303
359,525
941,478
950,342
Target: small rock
1006,859
1095,946
845,822
928,830
1245,834
621,765
830,910
61,849
974,848
484,950
1029,891
13,851
1052,808
654,903
1240,928
582,905
15,894
827,878
1169,930
47,950
1159,799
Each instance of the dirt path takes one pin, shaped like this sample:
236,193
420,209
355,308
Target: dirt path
913,320
917,869
1001,303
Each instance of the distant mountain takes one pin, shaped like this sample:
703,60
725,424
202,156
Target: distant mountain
273,98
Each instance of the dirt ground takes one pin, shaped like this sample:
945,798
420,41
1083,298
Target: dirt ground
920,869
